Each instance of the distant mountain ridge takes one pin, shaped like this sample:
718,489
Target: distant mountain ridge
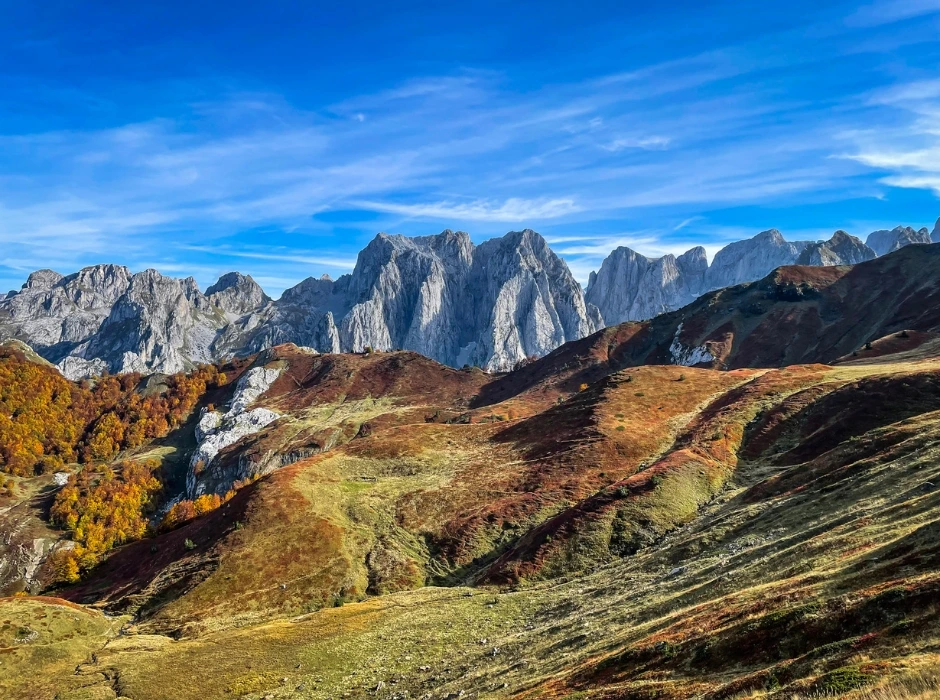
493,305
659,285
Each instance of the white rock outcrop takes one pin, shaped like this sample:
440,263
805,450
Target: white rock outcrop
688,356
216,431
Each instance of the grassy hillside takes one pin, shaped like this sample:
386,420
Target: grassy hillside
580,528
762,533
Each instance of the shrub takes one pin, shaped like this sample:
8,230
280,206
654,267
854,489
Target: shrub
842,680
189,544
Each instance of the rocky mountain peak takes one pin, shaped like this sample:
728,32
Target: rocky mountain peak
96,286
885,241
42,279
771,235
694,258
449,245
751,259
492,305
237,293
633,287
841,249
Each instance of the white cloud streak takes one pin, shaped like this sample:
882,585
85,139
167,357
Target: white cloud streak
512,210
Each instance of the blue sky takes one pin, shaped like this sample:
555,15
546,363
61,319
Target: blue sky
278,138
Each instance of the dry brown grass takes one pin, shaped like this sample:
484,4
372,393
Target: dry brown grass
917,685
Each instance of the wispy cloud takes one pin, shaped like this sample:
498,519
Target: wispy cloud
645,142
512,210
906,145
303,257
891,11
685,222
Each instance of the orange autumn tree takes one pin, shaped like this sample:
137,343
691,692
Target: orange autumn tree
184,511
39,430
102,511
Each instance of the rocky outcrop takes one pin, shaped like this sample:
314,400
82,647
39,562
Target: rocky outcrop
409,293
54,314
237,294
688,355
522,300
935,236
884,241
633,287
216,431
841,249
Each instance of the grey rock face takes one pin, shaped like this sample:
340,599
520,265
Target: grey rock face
42,279
492,305
935,236
104,318
751,259
632,287
441,296
56,314
303,315
884,241
237,294
407,293
841,249
523,301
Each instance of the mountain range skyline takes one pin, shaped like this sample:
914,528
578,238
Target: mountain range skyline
582,275
277,139
496,305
